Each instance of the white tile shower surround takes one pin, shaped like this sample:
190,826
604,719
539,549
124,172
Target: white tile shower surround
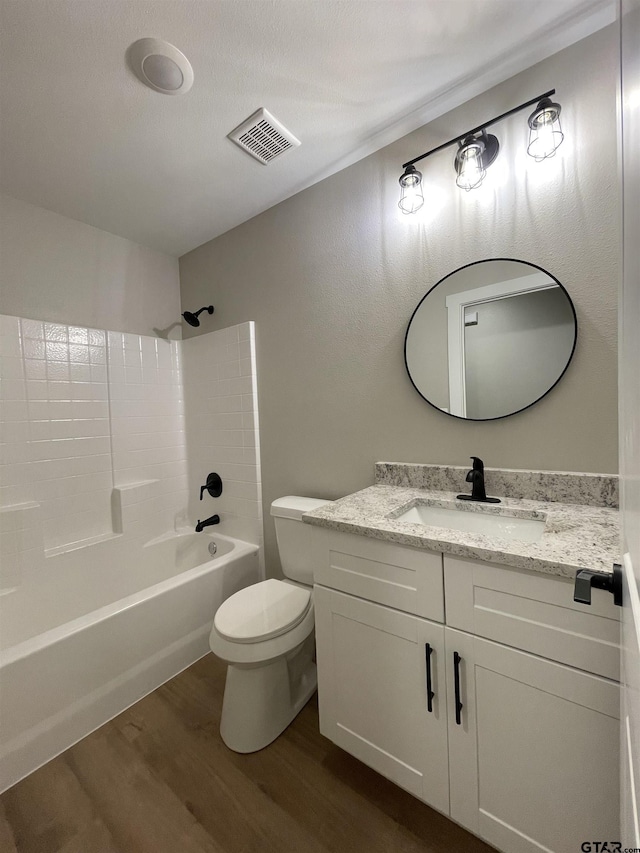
221,408
93,438
147,433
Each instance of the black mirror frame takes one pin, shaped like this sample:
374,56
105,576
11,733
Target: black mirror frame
537,400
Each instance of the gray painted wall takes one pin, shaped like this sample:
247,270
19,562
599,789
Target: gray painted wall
332,275
57,269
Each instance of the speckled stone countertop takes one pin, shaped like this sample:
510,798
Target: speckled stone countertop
568,487
576,536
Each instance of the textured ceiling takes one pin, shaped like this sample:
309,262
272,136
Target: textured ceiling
80,135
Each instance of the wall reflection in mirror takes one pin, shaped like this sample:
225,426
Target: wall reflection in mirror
490,339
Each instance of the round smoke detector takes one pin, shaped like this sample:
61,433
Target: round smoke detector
161,66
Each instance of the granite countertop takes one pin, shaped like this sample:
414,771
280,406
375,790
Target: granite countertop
576,536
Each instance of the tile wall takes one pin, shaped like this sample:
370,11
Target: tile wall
147,433
93,442
221,412
68,470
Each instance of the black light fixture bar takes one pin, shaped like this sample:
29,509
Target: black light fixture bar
480,127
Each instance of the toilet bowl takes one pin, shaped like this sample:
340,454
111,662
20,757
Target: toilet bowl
265,633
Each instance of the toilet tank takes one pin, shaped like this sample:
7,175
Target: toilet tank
294,536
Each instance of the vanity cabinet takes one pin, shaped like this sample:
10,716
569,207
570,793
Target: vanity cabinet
382,693
533,761
519,742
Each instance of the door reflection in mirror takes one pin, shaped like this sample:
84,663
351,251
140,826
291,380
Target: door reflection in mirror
490,339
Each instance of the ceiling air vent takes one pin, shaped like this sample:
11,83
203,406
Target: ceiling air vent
262,136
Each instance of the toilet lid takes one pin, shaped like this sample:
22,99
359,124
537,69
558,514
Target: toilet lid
262,611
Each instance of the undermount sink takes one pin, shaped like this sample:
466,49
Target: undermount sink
474,521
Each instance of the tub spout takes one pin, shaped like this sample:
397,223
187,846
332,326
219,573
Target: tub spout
200,526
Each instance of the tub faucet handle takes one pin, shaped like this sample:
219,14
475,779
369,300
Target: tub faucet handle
213,486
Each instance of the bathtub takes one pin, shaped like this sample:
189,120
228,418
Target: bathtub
106,629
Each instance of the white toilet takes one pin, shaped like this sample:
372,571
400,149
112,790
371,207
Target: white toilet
265,633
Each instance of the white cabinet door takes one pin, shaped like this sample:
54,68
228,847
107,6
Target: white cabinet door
533,760
374,664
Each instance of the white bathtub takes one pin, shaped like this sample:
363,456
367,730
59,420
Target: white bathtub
94,638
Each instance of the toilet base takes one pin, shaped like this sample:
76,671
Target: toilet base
260,701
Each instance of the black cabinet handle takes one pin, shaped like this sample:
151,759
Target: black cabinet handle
456,683
586,579
430,694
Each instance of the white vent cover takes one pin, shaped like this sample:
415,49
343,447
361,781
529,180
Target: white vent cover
262,136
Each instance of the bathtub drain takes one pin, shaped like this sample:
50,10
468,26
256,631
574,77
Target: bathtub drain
213,548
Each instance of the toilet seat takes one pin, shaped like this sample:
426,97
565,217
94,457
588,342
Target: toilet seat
262,611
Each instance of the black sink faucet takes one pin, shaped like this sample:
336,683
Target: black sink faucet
476,477
200,526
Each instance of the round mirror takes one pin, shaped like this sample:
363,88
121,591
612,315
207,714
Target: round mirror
490,339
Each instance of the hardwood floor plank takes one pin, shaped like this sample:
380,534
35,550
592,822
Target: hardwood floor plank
203,773
158,779
7,840
95,838
141,812
48,811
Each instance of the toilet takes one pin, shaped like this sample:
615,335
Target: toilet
265,633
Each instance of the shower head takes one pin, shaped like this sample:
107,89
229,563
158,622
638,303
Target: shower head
192,319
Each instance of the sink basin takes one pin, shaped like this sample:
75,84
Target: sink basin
504,526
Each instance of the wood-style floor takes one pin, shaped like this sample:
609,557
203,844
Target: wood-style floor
158,779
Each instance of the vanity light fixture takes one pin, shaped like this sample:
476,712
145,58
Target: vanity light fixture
474,155
477,150
411,197
545,133
469,165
